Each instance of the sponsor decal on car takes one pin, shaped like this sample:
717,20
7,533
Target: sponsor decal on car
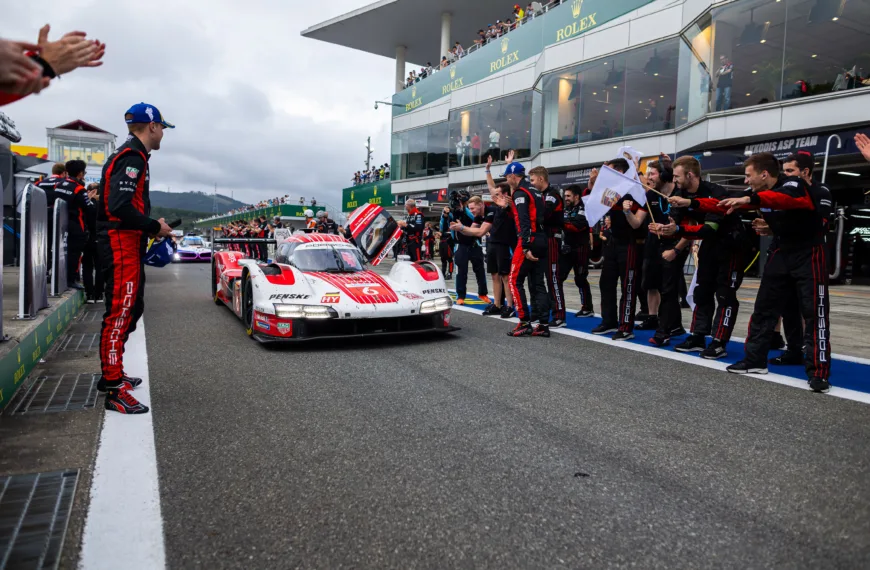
285,329
263,325
371,289
330,298
284,296
446,318
433,291
412,296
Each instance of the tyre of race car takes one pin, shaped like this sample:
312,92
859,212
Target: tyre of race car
214,282
248,304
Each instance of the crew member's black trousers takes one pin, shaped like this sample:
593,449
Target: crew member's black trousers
446,254
554,283
414,250
474,254
577,260
670,315
522,269
76,242
803,272
621,263
720,273
92,273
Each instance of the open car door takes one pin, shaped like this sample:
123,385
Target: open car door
374,231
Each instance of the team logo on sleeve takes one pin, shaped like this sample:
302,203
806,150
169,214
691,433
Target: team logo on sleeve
132,172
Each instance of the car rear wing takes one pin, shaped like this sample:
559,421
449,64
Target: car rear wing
267,241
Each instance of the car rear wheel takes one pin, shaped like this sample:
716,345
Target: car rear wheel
248,305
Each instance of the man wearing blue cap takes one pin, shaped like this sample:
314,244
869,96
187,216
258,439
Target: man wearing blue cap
123,229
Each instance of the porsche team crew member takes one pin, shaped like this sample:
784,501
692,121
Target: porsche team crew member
797,266
71,190
499,248
413,225
123,226
574,253
721,259
445,251
530,254
623,257
47,185
554,221
92,273
800,165
468,248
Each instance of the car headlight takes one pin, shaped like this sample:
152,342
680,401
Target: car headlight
176,257
436,305
302,312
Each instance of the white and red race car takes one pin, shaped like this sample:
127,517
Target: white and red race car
319,286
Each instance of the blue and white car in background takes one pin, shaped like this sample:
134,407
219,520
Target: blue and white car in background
191,249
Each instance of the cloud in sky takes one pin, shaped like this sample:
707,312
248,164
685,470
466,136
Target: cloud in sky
259,110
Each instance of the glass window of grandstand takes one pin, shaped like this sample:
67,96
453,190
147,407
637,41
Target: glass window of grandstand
491,128
827,47
516,111
437,149
409,154
695,82
651,87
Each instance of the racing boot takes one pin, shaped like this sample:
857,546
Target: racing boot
778,343
659,341
695,343
819,385
715,351
522,329
460,301
650,323
787,357
122,401
605,329
744,367
541,330
125,383
622,335
557,324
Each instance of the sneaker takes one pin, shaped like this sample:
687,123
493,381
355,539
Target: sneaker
557,324
604,329
90,300
507,312
650,323
485,299
744,367
787,358
715,351
778,343
818,385
460,301
695,343
659,341
522,329
678,331
584,313
492,310
622,335
123,402
541,330
448,277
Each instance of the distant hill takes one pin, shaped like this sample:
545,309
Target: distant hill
193,201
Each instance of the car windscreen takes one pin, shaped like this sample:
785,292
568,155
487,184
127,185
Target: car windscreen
344,259
192,242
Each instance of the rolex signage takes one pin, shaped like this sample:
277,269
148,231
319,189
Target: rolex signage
564,22
379,193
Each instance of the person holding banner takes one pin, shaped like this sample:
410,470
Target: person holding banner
623,198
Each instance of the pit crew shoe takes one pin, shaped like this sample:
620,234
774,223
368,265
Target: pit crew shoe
492,310
778,343
584,313
125,383
522,329
744,367
650,323
819,386
678,331
541,330
485,299
787,358
660,341
695,343
448,277
460,301
604,329
715,351
507,312
122,401
557,324
622,335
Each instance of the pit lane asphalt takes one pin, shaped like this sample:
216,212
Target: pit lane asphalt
485,451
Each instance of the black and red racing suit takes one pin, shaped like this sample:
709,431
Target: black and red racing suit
123,227
414,234
73,193
574,255
554,221
529,218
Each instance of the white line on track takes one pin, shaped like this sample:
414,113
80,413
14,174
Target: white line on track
697,361
124,528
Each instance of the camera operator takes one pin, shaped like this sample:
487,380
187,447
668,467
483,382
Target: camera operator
468,247
574,252
413,229
554,221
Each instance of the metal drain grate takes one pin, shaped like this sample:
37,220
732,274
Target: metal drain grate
91,317
34,513
56,393
80,342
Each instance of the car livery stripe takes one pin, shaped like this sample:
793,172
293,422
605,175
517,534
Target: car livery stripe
355,286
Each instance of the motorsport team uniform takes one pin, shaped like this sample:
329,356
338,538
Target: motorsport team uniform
47,185
123,226
467,250
554,221
445,251
429,237
662,275
529,219
92,272
574,254
622,260
721,263
797,265
76,198
499,249
414,234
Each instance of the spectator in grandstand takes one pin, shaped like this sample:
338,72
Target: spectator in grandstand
519,13
457,50
444,62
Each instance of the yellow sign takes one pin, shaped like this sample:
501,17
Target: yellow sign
576,8
414,91
23,150
584,23
414,104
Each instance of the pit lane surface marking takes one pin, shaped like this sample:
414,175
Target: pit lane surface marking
124,526
794,382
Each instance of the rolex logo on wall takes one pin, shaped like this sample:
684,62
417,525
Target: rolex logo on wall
504,44
576,8
414,91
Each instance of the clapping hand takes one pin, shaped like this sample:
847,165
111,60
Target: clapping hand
71,51
510,156
863,143
18,73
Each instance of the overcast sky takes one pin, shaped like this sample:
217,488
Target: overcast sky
258,109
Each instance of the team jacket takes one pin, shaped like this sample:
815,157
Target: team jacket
528,214
554,212
414,229
725,228
48,185
327,227
124,199
576,226
76,198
